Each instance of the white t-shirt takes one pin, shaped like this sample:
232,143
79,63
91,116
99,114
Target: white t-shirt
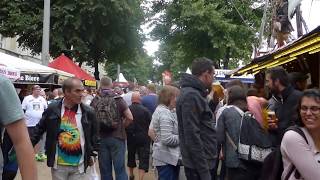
127,98
34,107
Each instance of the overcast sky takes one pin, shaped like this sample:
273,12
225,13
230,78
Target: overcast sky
310,12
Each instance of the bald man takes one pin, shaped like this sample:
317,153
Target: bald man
137,137
33,106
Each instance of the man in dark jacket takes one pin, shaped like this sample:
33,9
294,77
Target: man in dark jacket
138,141
196,123
71,133
285,101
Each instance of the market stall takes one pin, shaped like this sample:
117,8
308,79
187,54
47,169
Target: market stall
301,55
32,73
65,64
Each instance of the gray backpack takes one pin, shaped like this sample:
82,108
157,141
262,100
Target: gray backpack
107,113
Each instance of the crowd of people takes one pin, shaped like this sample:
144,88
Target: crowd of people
194,130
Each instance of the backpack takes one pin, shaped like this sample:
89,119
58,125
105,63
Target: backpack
107,113
273,166
254,143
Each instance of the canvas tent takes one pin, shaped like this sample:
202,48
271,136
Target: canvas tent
122,82
32,73
65,64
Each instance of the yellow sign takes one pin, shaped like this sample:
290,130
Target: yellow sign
90,83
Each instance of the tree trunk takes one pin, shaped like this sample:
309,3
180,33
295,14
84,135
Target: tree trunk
226,59
96,69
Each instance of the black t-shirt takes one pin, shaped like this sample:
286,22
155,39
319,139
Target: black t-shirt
141,121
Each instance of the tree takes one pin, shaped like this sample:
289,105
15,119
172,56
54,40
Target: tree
141,69
223,31
92,30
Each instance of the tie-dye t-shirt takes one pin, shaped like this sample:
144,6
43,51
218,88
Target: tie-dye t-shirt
69,146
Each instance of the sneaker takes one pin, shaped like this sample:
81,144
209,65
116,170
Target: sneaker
43,156
40,157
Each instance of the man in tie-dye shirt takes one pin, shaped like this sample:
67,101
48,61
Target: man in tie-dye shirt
71,133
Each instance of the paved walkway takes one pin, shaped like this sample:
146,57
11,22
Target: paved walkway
45,174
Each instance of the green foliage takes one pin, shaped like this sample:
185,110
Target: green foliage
141,69
92,30
205,28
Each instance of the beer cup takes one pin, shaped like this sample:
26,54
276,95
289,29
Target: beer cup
273,121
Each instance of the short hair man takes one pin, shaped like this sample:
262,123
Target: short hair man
196,123
138,141
12,118
113,142
34,105
71,133
284,101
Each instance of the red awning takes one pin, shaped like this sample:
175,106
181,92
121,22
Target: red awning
65,64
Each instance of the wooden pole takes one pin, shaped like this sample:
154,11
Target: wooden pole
299,21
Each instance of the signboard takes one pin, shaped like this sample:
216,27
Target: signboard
223,72
36,78
220,76
10,73
90,83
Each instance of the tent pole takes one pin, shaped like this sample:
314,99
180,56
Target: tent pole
118,73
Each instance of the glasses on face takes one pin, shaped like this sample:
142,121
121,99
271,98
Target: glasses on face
313,109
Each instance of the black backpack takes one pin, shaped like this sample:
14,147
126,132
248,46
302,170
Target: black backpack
273,166
107,113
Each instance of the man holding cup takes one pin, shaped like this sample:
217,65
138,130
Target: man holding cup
283,109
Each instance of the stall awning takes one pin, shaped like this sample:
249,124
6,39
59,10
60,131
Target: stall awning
65,64
308,43
31,72
27,66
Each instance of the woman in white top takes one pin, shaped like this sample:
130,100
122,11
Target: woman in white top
297,154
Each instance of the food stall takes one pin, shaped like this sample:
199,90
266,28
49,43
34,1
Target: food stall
32,73
301,55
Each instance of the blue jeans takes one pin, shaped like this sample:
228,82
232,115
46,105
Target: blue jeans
112,151
168,172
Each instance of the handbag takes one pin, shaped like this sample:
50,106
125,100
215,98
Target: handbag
254,144
93,175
